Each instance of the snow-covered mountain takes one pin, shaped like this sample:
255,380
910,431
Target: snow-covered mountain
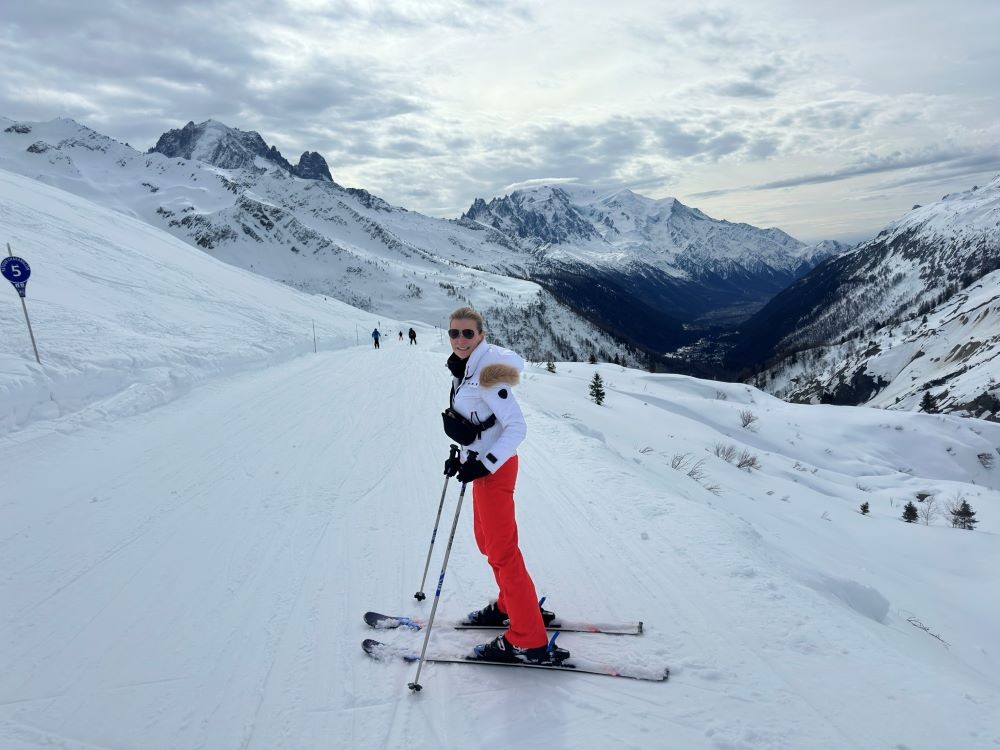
606,268
229,193
684,265
197,507
912,310
950,352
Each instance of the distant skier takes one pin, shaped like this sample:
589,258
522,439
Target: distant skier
400,335
489,422
376,336
413,336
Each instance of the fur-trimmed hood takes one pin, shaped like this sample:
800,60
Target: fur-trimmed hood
498,373
494,365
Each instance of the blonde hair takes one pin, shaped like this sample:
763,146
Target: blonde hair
469,313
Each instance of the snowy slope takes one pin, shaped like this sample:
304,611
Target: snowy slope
121,309
195,576
190,572
311,234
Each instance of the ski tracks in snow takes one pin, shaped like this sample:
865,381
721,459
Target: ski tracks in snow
189,582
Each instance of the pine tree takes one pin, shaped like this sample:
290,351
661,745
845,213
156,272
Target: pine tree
928,403
593,359
864,508
910,512
597,389
550,366
964,517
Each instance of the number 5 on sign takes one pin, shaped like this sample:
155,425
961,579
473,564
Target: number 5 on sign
17,271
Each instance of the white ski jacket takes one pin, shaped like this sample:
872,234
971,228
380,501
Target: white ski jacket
486,390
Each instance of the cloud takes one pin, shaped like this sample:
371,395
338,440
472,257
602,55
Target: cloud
537,182
950,163
745,89
252,63
840,114
431,103
685,139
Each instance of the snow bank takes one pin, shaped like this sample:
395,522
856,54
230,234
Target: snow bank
127,316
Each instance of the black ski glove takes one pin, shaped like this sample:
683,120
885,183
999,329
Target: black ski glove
472,470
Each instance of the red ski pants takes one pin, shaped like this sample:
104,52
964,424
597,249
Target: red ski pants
496,535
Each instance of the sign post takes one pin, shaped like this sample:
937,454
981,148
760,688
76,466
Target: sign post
16,271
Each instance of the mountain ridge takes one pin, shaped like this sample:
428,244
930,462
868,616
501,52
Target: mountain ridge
829,336
653,298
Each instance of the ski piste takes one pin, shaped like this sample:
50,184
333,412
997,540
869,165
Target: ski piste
384,652
390,622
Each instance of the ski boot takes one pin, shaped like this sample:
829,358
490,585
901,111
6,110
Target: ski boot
502,650
493,616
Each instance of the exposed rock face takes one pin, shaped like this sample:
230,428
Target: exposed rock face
229,148
312,166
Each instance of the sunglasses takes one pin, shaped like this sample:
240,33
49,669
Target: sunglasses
467,332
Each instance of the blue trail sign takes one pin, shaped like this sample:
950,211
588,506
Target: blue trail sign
16,271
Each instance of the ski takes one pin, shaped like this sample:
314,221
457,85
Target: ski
391,622
384,652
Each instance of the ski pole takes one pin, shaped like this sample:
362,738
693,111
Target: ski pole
452,457
415,685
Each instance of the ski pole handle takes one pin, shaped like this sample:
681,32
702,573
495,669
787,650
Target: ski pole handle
452,464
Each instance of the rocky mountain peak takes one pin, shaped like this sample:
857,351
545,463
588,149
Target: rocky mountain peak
312,166
218,144
544,214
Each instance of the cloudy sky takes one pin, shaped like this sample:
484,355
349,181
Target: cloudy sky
827,118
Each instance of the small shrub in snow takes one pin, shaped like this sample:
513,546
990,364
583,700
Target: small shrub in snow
864,508
680,461
697,472
910,512
721,395
550,366
726,452
986,459
748,461
747,418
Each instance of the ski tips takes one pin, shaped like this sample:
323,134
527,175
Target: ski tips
375,649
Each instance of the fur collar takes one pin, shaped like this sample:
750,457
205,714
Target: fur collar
498,373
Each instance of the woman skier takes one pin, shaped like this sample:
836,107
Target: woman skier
486,418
